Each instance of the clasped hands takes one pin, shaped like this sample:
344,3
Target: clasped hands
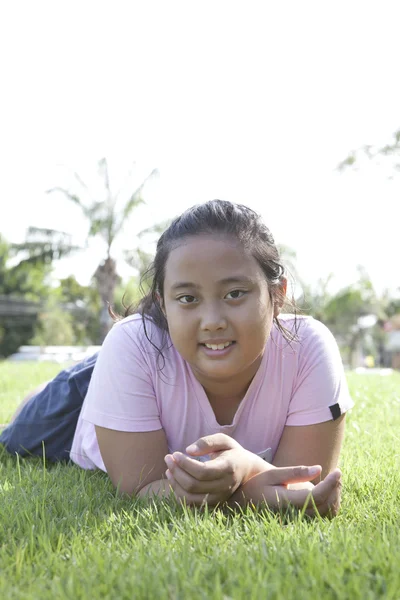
234,475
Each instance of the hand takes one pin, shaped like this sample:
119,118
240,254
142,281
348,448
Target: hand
281,487
213,481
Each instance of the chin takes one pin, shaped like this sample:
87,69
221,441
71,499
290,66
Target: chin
218,372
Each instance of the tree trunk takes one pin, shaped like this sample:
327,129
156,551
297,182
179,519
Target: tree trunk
355,350
106,278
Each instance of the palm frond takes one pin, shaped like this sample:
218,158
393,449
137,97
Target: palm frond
97,226
157,228
136,199
43,232
126,180
138,259
80,181
73,197
347,162
103,170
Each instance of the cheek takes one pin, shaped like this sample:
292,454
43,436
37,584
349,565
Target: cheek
179,326
259,322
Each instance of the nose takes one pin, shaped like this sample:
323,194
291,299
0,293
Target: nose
213,318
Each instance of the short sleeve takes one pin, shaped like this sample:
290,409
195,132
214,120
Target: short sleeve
121,393
320,391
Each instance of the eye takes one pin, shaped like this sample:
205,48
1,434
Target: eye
235,294
186,299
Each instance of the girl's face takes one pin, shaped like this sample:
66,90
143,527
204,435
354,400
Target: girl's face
215,294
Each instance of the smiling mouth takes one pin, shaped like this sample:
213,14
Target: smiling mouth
216,347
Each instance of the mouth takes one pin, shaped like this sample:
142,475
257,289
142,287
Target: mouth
218,349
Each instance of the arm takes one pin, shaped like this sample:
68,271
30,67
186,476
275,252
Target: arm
121,403
134,461
306,445
318,444
237,476
311,436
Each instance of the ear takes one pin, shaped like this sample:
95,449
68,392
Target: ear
279,297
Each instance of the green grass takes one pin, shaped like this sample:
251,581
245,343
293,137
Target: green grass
65,534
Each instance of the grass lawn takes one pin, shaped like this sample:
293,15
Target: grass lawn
65,534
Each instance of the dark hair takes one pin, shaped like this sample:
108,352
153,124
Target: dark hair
215,216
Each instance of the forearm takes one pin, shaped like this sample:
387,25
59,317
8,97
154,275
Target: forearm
256,490
250,492
160,488
251,466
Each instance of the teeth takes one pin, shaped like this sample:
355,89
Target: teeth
218,346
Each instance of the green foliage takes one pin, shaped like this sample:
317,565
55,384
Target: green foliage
66,534
14,334
139,260
19,282
54,327
66,315
43,246
23,279
390,150
341,312
393,307
106,218
84,302
126,294
70,315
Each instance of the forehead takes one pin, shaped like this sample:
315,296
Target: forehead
210,256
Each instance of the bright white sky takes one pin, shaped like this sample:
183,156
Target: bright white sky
255,102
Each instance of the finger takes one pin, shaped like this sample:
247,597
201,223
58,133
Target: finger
326,495
329,509
302,498
331,506
324,488
298,474
196,486
185,497
211,443
281,497
202,471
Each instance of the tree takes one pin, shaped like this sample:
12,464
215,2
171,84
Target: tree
22,287
106,217
391,150
315,298
43,246
54,326
83,303
30,306
352,314
140,259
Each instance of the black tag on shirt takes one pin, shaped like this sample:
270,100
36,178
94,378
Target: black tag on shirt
335,410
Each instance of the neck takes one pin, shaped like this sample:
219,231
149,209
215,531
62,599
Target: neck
233,389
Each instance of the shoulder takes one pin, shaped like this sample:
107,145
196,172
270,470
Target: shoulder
312,341
314,345
143,332
136,338
306,331
318,380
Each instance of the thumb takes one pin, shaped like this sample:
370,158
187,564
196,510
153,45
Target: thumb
284,475
211,443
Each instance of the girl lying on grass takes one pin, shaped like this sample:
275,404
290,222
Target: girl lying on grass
204,390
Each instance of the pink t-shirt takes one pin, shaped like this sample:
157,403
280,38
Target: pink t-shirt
301,384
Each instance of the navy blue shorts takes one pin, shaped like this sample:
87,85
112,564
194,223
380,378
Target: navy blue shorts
50,417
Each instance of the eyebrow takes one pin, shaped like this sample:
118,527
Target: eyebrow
225,281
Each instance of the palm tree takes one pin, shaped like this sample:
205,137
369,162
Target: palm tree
106,219
140,259
43,246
